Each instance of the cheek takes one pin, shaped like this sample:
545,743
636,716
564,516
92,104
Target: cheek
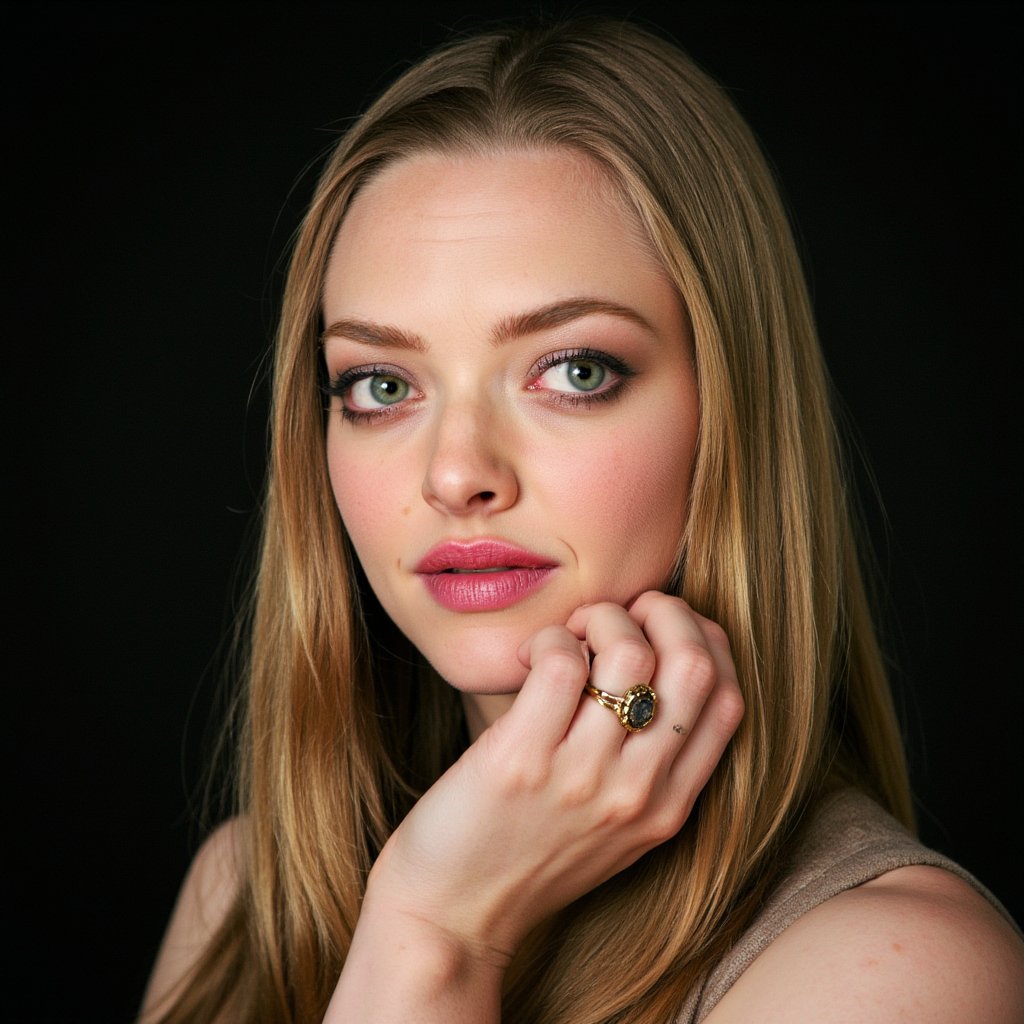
628,498
367,498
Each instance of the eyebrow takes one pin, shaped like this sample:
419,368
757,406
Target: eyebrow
371,333
509,328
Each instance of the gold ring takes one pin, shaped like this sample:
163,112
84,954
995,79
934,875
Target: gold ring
634,709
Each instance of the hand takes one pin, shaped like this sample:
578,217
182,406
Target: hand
556,797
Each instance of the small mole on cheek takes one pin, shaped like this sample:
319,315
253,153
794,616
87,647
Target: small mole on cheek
406,510
897,947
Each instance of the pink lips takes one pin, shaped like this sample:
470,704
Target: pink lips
482,575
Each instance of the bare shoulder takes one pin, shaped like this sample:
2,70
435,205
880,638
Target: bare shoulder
916,944
206,896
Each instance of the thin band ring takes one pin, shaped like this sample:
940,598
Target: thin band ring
634,709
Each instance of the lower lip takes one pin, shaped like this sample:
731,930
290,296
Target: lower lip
484,591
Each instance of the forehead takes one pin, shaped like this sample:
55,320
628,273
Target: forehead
540,215
527,177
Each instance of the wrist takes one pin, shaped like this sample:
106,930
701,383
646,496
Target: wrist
403,968
475,920
455,932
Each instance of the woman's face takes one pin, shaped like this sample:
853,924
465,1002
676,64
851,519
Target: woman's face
514,407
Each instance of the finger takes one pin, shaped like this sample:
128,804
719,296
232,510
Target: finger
654,611
547,702
688,670
622,658
717,723
694,651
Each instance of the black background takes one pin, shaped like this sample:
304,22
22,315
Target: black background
160,158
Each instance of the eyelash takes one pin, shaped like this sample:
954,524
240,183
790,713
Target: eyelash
340,385
621,371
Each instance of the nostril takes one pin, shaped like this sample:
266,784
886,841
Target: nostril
466,479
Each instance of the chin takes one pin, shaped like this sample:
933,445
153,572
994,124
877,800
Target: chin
473,654
490,676
484,662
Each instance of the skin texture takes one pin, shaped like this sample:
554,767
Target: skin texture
553,796
917,944
485,445
552,799
489,438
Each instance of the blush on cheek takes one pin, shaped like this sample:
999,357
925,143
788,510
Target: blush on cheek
643,479
362,494
637,509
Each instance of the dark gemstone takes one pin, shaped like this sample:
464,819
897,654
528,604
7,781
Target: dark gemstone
641,711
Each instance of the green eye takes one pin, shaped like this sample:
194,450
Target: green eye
377,390
579,375
584,374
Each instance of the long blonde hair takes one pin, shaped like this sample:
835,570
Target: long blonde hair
331,760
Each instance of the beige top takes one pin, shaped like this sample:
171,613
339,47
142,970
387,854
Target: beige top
849,841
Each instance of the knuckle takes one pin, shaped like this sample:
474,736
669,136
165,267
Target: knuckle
623,808
551,638
698,668
520,773
729,708
580,790
631,658
652,601
667,822
562,667
715,633
645,601
603,610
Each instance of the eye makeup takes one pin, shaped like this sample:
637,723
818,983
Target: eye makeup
582,366
383,383
379,391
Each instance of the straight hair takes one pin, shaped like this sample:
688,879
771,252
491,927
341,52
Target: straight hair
332,758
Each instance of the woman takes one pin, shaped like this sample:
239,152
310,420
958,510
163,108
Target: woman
564,702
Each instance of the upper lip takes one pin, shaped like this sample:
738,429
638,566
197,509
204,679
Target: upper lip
482,553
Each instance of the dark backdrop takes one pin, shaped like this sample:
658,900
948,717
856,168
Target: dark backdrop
159,155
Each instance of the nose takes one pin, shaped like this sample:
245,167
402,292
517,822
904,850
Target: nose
469,471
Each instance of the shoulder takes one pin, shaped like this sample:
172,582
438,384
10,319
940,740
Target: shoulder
212,882
207,895
915,944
